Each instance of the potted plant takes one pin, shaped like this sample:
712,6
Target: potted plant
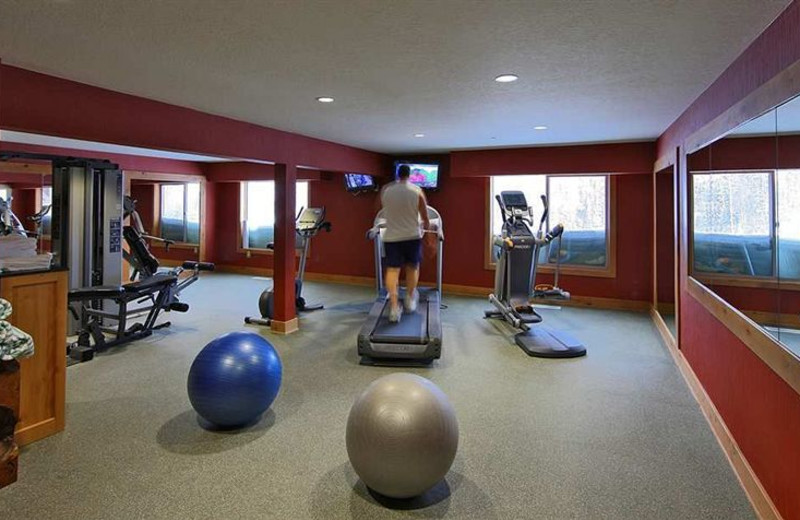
14,345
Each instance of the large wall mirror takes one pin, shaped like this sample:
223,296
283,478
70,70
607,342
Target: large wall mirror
25,201
744,221
666,236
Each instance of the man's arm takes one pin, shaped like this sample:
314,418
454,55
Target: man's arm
423,211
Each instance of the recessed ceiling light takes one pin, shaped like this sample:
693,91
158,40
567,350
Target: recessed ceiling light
325,99
419,135
540,127
506,78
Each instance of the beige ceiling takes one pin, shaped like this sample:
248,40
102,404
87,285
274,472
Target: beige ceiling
590,70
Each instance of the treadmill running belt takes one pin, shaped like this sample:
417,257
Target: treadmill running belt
411,329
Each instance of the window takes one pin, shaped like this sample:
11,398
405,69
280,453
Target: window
732,217
580,202
47,219
789,212
5,193
258,211
180,212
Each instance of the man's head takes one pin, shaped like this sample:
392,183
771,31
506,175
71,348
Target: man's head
403,172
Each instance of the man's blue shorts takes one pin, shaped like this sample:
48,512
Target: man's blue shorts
402,253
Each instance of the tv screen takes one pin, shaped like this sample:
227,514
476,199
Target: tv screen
425,176
359,182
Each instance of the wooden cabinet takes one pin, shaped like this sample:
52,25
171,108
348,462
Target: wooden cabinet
39,302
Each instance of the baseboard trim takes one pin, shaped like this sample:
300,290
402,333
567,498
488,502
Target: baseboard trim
663,330
448,288
606,303
756,494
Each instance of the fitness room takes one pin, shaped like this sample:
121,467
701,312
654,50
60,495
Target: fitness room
371,259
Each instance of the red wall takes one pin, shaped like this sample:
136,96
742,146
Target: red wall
343,251
464,195
760,409
462,202
126,162
41,104
748,153
665,238
600,158
23,203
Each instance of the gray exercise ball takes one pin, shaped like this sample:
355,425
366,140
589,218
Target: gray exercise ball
402,435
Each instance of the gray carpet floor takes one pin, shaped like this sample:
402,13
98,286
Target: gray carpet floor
613,435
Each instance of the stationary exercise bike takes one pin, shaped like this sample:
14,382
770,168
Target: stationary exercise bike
309,222
516,274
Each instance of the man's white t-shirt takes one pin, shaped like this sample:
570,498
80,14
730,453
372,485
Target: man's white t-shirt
401,209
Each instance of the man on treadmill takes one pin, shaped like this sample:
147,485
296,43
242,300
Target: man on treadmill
404,205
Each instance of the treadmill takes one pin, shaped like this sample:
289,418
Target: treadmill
417,338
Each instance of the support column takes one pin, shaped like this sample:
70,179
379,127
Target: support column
285,316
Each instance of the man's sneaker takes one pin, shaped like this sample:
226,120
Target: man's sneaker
411,301
395,313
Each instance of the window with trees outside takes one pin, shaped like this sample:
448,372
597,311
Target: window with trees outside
179,215
258,211
580,202
735,218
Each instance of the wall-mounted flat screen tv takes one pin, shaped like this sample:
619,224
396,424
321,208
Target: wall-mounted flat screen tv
357,182
425,176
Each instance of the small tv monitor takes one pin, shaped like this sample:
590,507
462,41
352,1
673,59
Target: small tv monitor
425,176
356,182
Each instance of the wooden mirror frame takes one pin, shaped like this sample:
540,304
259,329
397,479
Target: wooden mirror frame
779,90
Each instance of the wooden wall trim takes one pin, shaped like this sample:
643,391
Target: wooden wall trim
664,162
761,343
164,177
447,288
774,92
663,329
756,494
25,167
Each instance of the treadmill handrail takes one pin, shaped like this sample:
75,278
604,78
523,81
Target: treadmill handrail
374,233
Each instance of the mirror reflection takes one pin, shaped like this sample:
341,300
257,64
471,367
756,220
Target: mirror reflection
745,220
665,246
787,201
25,204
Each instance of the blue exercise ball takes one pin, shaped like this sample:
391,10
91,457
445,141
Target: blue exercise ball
234,379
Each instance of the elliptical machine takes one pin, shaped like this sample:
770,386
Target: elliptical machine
516,274
309,222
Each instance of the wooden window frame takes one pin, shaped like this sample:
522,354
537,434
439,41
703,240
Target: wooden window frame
158,209
156,179
260,251
607,271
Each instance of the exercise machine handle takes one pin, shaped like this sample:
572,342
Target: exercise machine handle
555,232
376,229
